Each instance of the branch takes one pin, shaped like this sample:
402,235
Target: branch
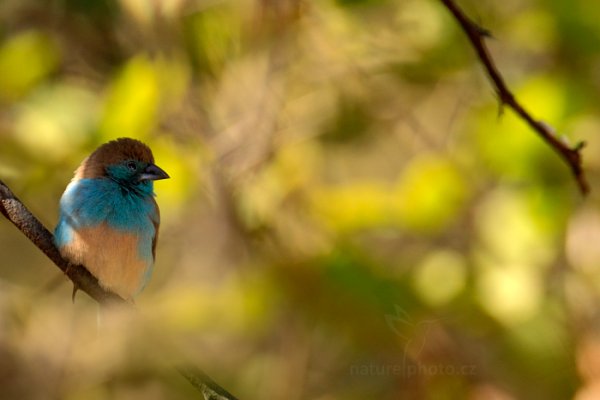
12,208
204,384
16,212
477,35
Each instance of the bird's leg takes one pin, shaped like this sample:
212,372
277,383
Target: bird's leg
75,285
75,289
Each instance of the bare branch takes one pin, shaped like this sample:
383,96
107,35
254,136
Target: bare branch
477,36
204,384
16,212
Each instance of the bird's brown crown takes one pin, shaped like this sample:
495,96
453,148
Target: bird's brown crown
113,152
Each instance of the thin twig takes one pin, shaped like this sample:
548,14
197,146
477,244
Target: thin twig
16,212
477,36
203,383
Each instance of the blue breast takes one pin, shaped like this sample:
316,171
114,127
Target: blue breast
89,202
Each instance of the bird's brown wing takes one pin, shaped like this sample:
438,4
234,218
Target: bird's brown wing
156,223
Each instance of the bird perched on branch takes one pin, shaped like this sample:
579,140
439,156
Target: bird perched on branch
108,216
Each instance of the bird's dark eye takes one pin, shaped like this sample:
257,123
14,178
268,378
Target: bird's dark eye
132,165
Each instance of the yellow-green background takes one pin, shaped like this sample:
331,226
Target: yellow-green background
348,216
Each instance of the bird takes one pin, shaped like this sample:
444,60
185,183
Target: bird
109,219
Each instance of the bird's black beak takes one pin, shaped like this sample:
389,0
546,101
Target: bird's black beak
153,173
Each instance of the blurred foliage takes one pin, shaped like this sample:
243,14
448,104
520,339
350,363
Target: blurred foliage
350,215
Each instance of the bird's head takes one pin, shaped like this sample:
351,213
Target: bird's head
127,161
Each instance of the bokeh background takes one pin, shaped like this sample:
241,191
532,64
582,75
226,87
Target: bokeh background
348,217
